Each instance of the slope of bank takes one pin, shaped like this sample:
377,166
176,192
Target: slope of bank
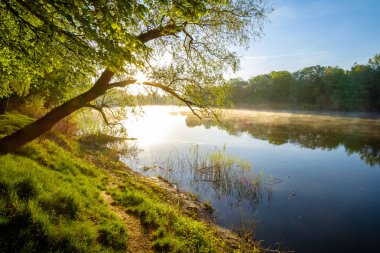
60,194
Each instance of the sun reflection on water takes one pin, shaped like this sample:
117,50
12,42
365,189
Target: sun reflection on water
156,126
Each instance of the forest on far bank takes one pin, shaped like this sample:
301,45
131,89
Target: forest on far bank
313,88
318,88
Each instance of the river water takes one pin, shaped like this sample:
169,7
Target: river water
313,184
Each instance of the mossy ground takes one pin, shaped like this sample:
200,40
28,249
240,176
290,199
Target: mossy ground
51,201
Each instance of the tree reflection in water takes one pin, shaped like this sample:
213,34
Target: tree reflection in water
361,136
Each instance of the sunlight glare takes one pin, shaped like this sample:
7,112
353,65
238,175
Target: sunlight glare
157,126
140,77
137,88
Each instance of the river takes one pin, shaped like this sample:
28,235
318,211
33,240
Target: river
313,184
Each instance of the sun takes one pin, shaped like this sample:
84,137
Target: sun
137,88
140,77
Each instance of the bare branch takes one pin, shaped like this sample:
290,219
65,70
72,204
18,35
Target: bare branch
170,29
100,110
122,84
172,92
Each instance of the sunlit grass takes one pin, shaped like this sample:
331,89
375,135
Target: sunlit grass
173,232
11,122
50,201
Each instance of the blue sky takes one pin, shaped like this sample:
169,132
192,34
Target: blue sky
303,33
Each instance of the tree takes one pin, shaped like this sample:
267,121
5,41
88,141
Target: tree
374,64
32,61
259,88
238,90
281,84
309,84
314,88
334,81
183,47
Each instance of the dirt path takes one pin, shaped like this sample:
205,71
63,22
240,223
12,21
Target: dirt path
138,240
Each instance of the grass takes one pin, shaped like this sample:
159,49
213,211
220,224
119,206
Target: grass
11,122
173,232
51,201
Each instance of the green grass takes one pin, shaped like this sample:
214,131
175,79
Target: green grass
50,201
11,122
173,231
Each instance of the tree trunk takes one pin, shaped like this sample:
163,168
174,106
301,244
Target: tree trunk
14,141
3,105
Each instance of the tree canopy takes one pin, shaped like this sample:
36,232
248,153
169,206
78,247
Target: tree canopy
181,44
183,47
314,88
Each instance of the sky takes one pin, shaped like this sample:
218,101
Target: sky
303,33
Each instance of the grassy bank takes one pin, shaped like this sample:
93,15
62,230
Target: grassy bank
52,199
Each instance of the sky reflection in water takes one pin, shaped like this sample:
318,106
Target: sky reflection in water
319,175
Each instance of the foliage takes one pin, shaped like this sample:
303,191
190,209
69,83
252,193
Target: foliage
316,88
53,48
33,63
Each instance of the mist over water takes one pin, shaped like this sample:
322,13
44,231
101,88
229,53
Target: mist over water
313,181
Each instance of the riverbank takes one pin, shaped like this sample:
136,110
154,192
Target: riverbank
61,193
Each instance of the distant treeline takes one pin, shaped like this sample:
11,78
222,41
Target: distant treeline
313,88
156,99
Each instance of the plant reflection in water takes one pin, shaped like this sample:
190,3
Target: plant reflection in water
224,175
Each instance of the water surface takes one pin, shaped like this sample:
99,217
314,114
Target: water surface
319,175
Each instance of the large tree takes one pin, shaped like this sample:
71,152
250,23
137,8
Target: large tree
182,46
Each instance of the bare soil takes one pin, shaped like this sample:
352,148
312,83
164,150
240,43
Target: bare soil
139,240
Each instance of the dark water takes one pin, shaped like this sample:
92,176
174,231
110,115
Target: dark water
314,184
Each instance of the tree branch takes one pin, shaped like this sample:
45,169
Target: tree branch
122,84
100,110
172,92
171,29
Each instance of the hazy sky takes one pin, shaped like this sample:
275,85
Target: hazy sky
303,33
